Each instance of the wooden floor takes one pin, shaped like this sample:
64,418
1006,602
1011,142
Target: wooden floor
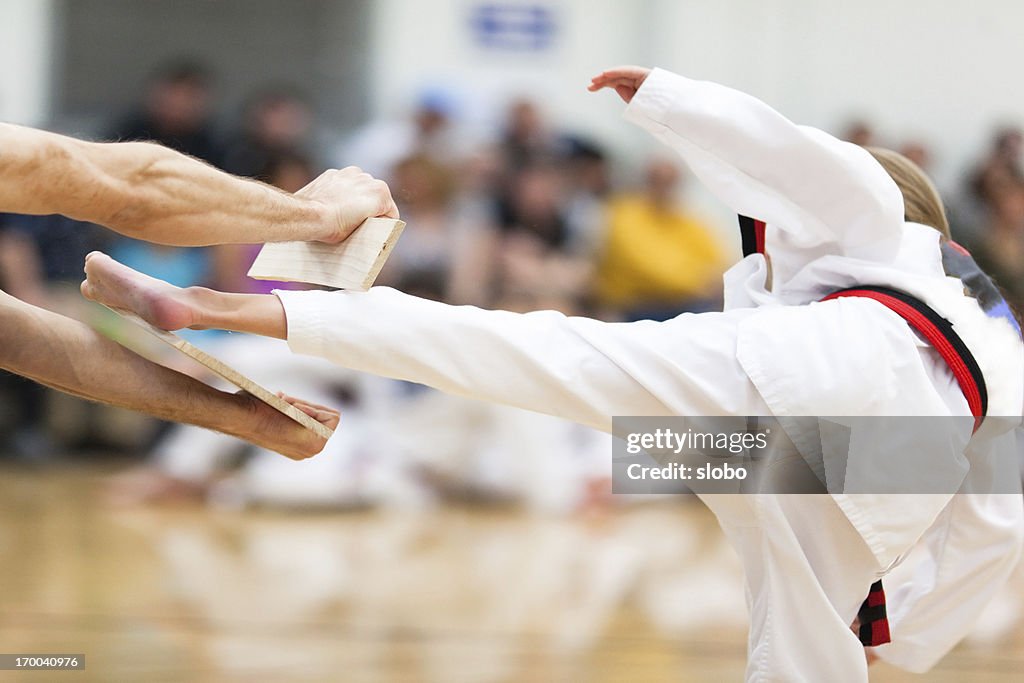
189,594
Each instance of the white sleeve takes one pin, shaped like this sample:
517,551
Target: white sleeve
817,189
938,592
576,368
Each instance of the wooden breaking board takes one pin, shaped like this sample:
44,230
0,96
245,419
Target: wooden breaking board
353,263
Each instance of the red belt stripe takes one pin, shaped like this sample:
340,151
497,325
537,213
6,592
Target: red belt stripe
940,334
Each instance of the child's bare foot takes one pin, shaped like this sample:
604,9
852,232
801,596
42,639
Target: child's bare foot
117,286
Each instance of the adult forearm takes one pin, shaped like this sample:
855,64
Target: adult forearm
147,191
161,196
71,357
67,355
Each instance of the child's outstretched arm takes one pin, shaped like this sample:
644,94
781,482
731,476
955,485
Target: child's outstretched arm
818,189
576,368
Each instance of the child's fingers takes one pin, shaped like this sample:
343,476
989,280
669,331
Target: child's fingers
632,73
600,82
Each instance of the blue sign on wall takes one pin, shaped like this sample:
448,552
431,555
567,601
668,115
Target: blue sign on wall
514,27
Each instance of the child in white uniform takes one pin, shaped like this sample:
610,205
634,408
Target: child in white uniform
835,219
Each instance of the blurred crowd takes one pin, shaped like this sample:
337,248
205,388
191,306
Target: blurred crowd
532,216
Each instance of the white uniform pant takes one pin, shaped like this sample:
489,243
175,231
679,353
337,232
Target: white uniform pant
807,571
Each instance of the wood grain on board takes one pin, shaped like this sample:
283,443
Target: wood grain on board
352,264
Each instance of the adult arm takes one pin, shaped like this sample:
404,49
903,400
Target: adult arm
71,357
817,189
153,193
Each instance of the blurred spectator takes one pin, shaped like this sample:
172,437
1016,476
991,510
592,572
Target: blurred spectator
175,112
859,132
429,131
1000,249
1001,168
533,205
658,259
589,184
918,152
532,252
526,139
1001,165
424,190
530,179
277,121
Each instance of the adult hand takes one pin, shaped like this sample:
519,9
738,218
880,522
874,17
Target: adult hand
348,196
329,417
272,429
626,80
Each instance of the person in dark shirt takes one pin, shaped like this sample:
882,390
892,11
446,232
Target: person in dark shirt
277,123
175,112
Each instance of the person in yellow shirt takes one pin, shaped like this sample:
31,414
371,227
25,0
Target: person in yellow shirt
658,259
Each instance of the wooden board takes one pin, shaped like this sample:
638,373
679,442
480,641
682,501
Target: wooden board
228,373
351,264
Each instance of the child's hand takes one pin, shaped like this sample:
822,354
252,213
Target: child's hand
625,79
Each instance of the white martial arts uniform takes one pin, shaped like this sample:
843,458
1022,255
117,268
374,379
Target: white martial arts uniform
835,219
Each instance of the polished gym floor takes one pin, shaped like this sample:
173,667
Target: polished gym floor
186,593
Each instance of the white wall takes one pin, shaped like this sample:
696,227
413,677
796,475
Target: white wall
430,43
944,72
25,54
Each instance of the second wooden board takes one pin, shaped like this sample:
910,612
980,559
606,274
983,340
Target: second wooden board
225,371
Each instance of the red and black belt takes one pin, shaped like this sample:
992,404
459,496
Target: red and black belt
939,332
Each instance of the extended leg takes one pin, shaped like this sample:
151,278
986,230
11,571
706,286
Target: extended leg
72,357
173,308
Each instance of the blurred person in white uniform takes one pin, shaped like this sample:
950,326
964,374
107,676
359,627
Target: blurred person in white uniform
834,218
191,463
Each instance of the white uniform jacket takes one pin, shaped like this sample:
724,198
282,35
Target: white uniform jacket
835,219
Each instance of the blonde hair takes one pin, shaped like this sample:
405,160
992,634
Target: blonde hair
921,201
